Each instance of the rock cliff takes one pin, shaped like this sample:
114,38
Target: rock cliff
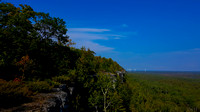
56,101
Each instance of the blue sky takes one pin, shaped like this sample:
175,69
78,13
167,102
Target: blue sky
138,34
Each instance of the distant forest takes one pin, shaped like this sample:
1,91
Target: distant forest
158,92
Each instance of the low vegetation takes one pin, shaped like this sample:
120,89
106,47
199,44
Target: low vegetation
39,86
13,93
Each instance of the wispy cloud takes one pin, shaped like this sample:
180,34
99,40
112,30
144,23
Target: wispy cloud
86,36
189,51
94,46
116,38
88,30
196,49
124,25
182,60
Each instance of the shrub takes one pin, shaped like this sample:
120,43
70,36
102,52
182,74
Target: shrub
61,79
13,93
39,86
2,81
53,83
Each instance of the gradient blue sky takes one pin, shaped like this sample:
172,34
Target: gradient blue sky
138,34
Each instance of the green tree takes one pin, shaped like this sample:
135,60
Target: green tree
15,28
26,32
85,64
105,96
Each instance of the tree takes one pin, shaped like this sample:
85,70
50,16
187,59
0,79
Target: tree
15,28
24,65
85,64
105,96
26,32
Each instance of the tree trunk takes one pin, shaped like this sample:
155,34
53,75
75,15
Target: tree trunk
104,97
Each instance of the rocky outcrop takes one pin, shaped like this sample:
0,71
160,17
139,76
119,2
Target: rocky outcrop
121,74
56,101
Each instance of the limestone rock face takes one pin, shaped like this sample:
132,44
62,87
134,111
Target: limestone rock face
45,102
54,102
